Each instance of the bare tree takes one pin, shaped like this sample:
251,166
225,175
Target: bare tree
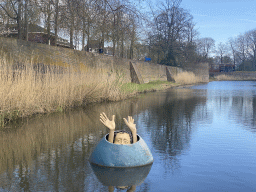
205,46
232,47
13,10
251,41
221,50
172,26
241,49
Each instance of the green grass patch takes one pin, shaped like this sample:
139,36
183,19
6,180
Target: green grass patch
151,86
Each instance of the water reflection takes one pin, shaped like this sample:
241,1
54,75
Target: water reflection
121,178
200,137
51,152
234,100
170,123
244,112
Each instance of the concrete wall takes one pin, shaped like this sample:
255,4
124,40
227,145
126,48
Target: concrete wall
38,53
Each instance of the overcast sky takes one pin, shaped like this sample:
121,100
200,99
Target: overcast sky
222,19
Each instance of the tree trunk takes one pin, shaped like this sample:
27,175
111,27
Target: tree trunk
132,42
48,23
56,21
26,20
122,46
117,35
19,19
114,34
83,35
71,32
88,35
103,30
88,43
102,40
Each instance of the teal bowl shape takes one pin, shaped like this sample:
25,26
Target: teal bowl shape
116,155
112,176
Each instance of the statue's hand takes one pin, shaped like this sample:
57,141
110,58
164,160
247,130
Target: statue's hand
109,124
130,123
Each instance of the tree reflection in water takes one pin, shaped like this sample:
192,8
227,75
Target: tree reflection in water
169,123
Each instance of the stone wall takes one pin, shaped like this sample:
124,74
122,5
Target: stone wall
41,54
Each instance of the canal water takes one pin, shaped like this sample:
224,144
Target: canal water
203,138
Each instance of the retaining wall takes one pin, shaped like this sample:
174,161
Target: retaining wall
81,61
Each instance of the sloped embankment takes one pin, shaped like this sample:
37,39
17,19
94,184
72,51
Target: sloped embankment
37,78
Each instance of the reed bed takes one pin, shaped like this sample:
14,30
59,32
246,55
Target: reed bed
25,91
229,78
29,87
186,78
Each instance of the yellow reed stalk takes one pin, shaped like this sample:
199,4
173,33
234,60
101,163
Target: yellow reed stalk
186,78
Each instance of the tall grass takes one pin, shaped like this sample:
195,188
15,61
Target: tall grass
186,78
229,78
24,91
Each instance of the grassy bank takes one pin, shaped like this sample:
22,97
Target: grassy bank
133,88
25,91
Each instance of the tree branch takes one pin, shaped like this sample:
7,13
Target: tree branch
8,13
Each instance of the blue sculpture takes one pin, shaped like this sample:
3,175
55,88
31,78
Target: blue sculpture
119,149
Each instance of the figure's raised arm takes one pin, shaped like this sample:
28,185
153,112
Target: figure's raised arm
132,127
109,124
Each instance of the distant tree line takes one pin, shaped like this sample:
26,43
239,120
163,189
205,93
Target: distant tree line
112,21
167,34
242,50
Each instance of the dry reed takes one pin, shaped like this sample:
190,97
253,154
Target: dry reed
186,78
228,78
25,91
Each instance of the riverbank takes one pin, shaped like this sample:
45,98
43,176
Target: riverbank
25,92
39,79
233,76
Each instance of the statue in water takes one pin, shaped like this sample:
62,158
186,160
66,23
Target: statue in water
120,137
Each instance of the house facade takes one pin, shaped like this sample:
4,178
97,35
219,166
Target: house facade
94,47
35,34
228,67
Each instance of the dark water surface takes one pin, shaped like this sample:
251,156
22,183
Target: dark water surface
203,138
